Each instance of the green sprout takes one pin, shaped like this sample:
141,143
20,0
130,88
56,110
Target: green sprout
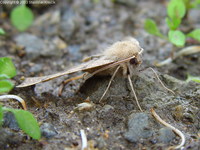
7,71
176,11
193,78
2,32
25,119
22,17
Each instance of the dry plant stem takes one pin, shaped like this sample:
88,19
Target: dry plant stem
67,81
183,52
131,84
114,74
83,139
17,98
178,132
161,81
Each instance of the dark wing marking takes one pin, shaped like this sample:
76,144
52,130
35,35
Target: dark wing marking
82,67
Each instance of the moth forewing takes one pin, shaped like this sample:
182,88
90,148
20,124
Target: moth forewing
118,53
90,65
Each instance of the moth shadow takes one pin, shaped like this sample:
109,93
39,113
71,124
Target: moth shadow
148,89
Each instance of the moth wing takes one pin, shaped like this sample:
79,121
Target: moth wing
92,64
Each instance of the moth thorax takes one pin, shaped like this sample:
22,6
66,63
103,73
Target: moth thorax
122,50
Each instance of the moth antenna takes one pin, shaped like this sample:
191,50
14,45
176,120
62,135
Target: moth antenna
161,81
111,79
108,66
178,132
141,51
67,81
131,84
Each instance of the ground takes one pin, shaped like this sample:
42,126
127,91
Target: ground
63,34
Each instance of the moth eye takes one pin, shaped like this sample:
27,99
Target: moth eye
134,61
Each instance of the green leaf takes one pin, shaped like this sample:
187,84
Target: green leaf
7,68
176,9
1,115
151,27
176,37
22,17
27,123
173,24
5,86
2,32
193,78
195,34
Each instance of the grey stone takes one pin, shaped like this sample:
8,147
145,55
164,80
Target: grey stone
68,23
33,45
138,127
166,135
36,68
10,121
48,130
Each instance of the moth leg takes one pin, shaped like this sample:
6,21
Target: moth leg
161,81
69,80
109,83
124,68
131,84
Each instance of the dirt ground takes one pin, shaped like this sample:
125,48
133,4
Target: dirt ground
63,34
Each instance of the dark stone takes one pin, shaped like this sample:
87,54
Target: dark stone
10,121
48,130
138,127
166,135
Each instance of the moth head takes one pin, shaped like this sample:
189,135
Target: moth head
135,61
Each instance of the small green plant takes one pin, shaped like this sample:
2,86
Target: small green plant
7,71
22,17
2,32
25,119
193,78
176,11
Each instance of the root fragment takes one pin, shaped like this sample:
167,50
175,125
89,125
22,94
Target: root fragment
16,98
83,139
178,132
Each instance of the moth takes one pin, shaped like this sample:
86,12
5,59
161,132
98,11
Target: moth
121,58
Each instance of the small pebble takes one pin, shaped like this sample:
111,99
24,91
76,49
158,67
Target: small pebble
166,135
138,127
48,130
